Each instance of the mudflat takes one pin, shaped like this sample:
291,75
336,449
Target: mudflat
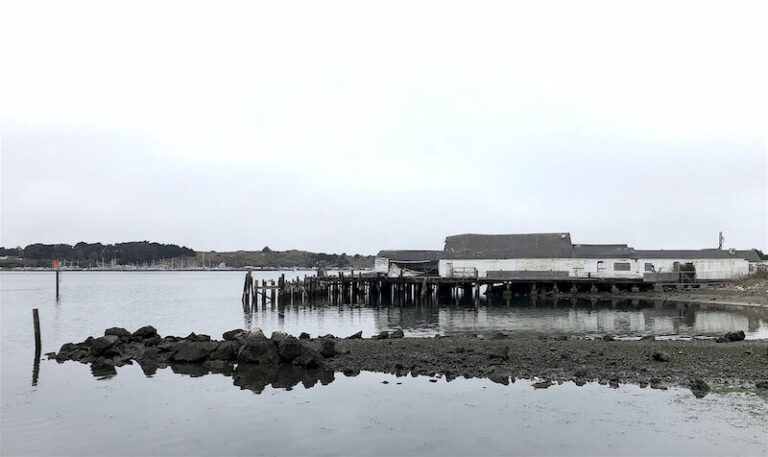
647,362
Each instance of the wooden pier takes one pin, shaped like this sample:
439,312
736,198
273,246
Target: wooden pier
378,289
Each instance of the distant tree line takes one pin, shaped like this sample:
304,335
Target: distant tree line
86,253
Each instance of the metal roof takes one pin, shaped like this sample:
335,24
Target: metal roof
522,246
695,254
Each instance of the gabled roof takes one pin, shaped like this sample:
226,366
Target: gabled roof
750,254
410,255
592,251
529,245
684,254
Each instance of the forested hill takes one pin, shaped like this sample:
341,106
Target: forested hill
93,254
267,258
169,256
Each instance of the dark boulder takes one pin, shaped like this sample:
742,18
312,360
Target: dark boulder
304,336
499,377
735,336
154,341
309,358
117,331
232,335
288,346
145,332
194,351
762,384
398,333
168,345
700,388
608,338
203,338
383,335
327,347
661,356
258,349
356,336
226,350
542,384
101,345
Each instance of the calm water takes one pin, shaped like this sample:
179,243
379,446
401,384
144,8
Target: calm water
69,411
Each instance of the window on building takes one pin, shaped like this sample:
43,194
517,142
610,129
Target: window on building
649,267
621,266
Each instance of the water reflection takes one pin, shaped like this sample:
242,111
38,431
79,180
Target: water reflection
523,315
251,377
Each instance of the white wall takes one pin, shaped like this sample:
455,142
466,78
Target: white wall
597,268
381,265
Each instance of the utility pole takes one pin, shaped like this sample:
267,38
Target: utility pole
721,238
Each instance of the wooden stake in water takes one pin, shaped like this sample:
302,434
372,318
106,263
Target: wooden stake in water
36,322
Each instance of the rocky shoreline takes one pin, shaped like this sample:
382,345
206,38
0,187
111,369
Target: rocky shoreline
697,364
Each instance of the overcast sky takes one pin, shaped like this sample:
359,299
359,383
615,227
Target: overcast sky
339,126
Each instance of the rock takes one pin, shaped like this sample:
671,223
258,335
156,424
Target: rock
722,339
260,350
225,351
145,332
762,385
167,345
288,347
309,358
304,336
699,388
329,335
660,356
154,341
327,347
398,333
191,337
356,336
277,336
648,338
232,335
735,336
117,331
608,338
101,345
499,377
203,338
194,351
542,384
383,335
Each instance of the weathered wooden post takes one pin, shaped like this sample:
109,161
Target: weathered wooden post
247,291
272,290
36,323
